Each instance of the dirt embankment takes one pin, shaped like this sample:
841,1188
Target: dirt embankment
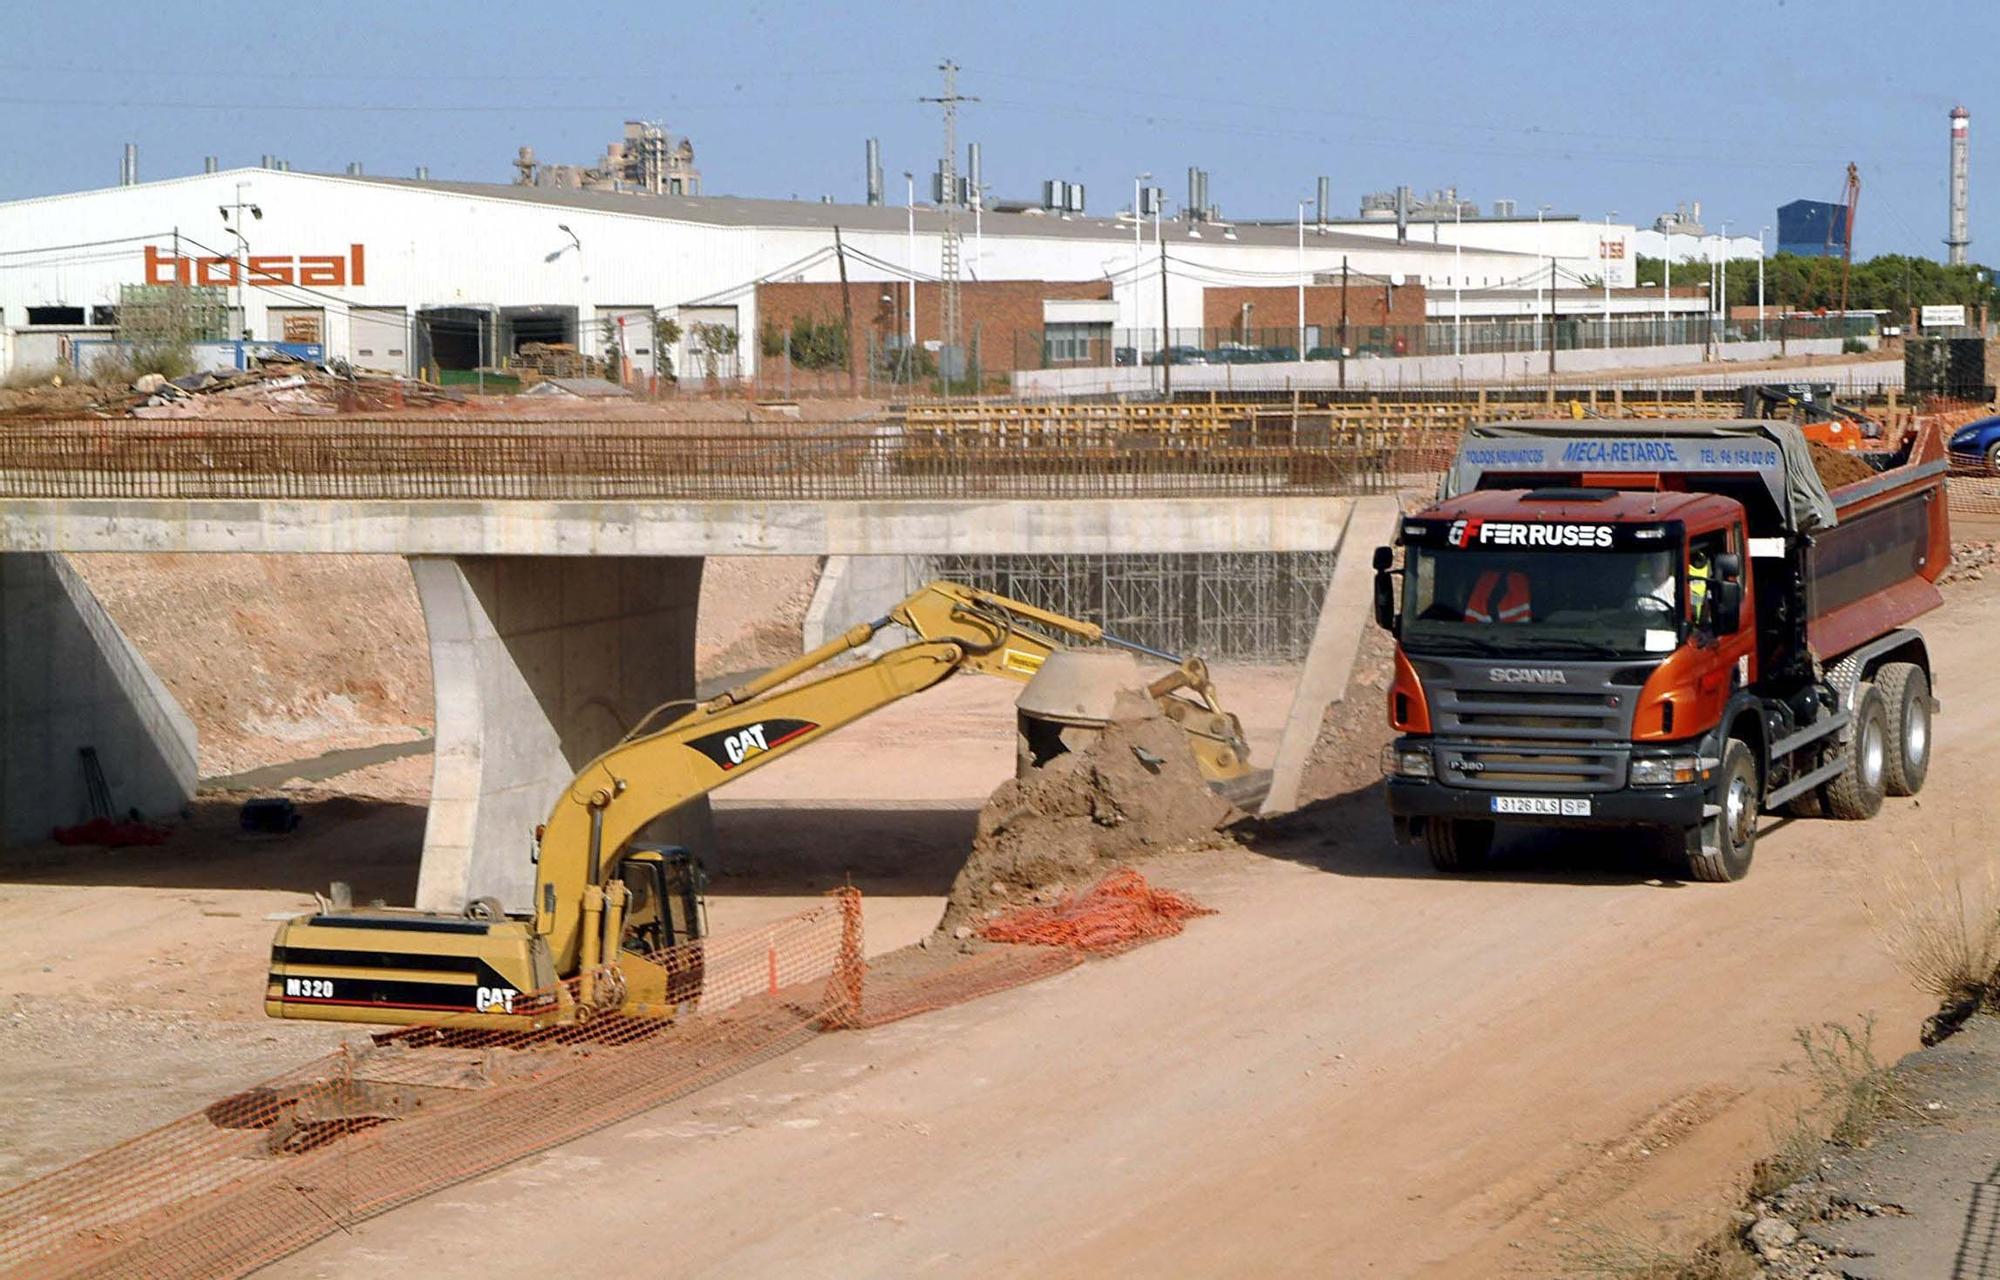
1135,791
276,657
753,612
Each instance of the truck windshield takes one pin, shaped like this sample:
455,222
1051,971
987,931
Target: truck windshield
1518,602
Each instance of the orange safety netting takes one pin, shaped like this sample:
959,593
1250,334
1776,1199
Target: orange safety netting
1115,914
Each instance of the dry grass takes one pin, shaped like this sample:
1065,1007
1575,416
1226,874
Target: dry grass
1946,937
1855,1089
28,377
1601,1252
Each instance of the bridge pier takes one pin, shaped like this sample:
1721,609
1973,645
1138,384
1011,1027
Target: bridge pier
540,664
70,680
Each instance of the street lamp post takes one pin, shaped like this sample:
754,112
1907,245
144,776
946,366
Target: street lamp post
242,270
1302,280
1760,281
1457,282
1723,302
1604,254
1138,248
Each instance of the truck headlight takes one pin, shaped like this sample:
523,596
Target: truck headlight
1663,771
1407,762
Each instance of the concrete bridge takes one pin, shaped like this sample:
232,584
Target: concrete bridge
559,594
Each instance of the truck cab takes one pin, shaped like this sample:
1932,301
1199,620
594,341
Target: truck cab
1666,646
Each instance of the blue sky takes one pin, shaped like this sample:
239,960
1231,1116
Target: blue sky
1588,107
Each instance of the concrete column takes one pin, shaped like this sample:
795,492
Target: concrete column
1349,606
70,679
540,664
855,589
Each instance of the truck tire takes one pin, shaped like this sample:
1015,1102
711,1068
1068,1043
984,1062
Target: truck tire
1735,828
1857,792
1458,844
1906,696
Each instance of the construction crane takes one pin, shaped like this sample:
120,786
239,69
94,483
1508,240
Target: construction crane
1850,196
610,911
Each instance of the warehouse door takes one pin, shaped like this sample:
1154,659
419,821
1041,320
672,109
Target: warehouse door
302,325
379,339
628,332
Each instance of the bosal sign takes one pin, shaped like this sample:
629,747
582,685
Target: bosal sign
323,271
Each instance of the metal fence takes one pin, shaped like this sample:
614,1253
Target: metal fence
456,459
1481,335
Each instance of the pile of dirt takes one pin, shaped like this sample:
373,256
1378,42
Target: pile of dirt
1837,467
753,613
1135,791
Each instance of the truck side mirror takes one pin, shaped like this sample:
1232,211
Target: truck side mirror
1385,600
1728,606
1385,559
1729,567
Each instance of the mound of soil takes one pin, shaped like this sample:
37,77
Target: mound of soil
1135,791
1837,467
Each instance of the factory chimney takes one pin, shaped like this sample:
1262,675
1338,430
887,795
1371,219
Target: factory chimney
874,171
1960,235
1402,215
210,164
128,166
423,173
353,168
1320,201
975,186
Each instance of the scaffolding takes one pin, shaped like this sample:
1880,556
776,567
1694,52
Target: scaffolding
1224,606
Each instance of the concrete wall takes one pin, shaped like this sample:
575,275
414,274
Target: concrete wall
999,526
70,679
855,589
540,665
1443,370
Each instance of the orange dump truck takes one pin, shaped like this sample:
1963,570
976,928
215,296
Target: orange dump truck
1672,626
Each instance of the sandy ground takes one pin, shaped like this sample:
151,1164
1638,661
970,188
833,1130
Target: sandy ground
1357,1068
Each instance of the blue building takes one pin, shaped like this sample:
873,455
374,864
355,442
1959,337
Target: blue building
1812,229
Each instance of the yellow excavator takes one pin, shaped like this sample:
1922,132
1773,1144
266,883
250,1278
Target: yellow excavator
611,911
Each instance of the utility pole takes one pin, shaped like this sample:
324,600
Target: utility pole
949,100
1724,304
1302,280
1604,251
1760,282
846,311
1343,322
1554,336
1138,247
1166,329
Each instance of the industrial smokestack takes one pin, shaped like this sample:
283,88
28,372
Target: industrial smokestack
1402,215
874,171
1320,200
284,166
353,168
974,184
1961,235
423,173
210,164
128,166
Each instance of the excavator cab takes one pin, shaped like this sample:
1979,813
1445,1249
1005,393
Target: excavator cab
667,905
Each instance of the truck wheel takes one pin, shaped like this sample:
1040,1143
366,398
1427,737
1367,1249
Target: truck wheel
1857,792
1735,828
1458,844
1906,696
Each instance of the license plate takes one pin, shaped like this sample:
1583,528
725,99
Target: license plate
1542,806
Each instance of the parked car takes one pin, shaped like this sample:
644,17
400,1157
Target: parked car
1323,353
1123,356
1177,355
1978,441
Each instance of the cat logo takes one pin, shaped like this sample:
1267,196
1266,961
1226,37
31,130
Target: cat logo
495,999
730,748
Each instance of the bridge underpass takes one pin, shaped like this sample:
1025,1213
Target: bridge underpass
555,622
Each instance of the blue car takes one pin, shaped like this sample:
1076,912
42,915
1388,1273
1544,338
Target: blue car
1978,441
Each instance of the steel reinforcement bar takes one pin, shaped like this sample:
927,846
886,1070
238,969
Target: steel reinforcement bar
390,460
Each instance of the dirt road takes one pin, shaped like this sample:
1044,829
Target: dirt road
1357,1068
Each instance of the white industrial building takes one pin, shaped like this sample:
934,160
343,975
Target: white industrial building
400,275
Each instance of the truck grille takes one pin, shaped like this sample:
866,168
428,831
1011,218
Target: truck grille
1505,766
1537,715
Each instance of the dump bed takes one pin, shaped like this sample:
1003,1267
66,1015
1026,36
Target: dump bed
1867,553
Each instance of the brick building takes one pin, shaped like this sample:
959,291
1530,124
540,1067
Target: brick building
1267,315
1006,322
